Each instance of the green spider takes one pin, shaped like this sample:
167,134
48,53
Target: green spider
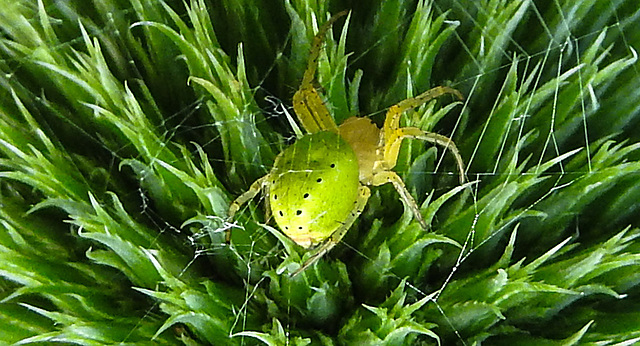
317,187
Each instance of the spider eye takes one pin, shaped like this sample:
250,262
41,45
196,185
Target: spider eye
275,197
319,180
281,213
333,165
298,212
306,195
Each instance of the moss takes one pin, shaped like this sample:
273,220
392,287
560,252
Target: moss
127,127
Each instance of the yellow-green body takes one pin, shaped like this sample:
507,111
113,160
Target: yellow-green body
314,186
317,187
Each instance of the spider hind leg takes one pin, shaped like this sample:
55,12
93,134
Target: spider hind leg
393,178
363,196
253,191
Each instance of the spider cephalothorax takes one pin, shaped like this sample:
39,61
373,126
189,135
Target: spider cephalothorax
317,187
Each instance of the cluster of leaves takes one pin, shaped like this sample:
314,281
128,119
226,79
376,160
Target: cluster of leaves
126,127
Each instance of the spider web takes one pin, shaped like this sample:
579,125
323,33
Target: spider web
543,65
559,54
545,68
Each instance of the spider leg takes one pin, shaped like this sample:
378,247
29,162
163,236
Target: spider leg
392,120
267,202
392,134
337,235
307,103
416,133
255,188
393,178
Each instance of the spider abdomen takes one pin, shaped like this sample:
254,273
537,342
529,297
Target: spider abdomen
313,188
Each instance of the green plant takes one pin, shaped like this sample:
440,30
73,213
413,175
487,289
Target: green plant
127,127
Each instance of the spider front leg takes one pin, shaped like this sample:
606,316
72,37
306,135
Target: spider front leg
416,133
392,134
392,120
255,188
338,234
307,103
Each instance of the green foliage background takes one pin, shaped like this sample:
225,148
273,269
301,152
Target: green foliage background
127,127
